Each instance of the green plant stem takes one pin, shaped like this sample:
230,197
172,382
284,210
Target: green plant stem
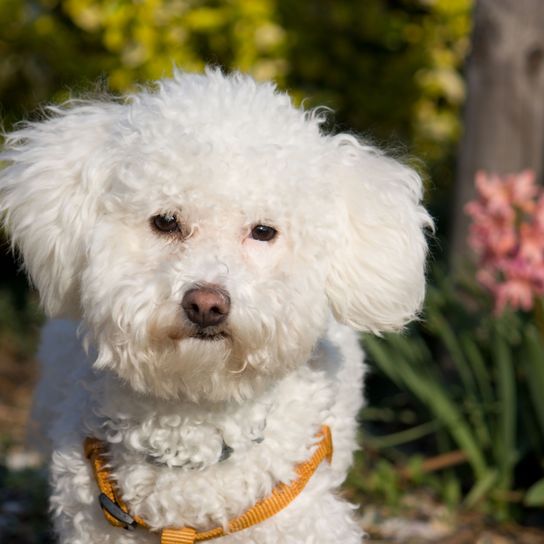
409,435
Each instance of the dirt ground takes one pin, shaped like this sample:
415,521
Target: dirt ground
23,491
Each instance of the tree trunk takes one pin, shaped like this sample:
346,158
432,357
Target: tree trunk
504,112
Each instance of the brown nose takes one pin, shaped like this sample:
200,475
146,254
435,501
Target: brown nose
206,306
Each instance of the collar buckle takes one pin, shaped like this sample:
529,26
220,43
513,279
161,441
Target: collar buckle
116,512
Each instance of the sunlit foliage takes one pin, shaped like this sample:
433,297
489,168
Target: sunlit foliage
389,68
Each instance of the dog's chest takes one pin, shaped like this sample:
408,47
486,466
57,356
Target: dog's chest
187,441
204,467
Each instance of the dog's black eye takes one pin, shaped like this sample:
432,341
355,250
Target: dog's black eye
165,223
263,233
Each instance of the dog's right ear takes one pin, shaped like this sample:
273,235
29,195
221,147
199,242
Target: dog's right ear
48,189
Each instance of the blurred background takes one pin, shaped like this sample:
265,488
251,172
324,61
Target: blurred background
453,430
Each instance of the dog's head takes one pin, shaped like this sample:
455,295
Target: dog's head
205,231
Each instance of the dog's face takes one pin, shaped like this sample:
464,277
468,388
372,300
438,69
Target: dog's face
206,232
205,266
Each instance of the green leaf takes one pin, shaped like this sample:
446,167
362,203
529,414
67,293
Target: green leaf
478,366
534,364
535,494
434,396
402,437
440,326
505,450
481,488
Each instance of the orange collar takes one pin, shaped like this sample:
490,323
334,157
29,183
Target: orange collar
116,512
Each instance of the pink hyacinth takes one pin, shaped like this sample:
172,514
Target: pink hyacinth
507,236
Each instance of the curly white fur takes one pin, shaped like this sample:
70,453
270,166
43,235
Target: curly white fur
222,154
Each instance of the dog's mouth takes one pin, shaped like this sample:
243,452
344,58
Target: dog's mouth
210,336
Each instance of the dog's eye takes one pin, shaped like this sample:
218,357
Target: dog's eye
165,223
263,233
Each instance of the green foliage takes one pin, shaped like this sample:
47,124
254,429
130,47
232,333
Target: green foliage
375,478
535,494
23,507
144,39
479,380
48,47
389,68
41,53
20,319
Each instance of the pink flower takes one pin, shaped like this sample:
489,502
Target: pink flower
539,213
507,237
514,293
500,194
491,232
523,190
531,246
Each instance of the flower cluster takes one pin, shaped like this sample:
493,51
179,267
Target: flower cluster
507,235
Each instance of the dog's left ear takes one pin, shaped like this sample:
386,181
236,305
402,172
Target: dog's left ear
376,280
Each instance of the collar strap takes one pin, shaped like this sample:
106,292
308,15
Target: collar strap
116,512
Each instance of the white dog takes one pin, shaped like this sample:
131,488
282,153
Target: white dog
217,250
